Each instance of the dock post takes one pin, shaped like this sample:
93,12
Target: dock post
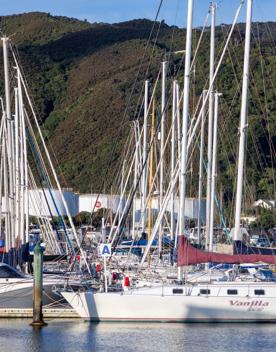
38,287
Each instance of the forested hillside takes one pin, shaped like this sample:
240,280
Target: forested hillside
82,76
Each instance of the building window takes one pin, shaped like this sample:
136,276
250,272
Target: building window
259,292
177,291
204,291
232,292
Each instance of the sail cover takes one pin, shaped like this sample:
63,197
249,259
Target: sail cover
189,255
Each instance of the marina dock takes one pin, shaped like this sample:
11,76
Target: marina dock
47,312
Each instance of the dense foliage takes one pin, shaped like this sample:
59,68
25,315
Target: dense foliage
81,76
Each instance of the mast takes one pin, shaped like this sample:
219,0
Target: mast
135,176
151,169
173,155
17,170
10,153
178,148
178,120
1,172
199,222
183,165
24,165
243,121
6,196
144,178
210,120
163,116
183,161
214,167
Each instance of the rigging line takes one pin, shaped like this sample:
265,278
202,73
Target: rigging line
147,155
143,57
230,32
196,144
271,146
259,9
208,92
127,152
33,108
266,110
230,141
41,160
42,222
16,56
124,116
138,181
233,67
233,101
254,86
174,29
54,173
44,176
192,132
134,84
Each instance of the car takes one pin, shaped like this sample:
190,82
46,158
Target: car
254,239
262,242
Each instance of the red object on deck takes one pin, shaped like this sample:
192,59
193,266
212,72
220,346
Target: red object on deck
126,281
98,267
189,255
114,276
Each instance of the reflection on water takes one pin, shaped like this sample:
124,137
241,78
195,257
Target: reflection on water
76,335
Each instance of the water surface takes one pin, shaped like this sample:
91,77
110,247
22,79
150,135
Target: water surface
76,335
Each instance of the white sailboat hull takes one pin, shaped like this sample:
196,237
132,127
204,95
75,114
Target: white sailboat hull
149,305
19,294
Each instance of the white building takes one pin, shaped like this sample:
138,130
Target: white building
265,203
93,202
191,208
46,202
43,202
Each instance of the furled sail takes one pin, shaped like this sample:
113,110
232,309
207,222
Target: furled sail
189,255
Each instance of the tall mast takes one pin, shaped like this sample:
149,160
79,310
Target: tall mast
199,221
178,120
10,153
151,169
17,170
173,155
5,41
183,165
210,119
6,196
136,138
243,120
163,116
214,167
24,164
1,170
144,178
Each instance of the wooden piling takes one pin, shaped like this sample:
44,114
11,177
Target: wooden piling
38,287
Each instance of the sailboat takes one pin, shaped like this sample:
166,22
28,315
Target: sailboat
183,300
